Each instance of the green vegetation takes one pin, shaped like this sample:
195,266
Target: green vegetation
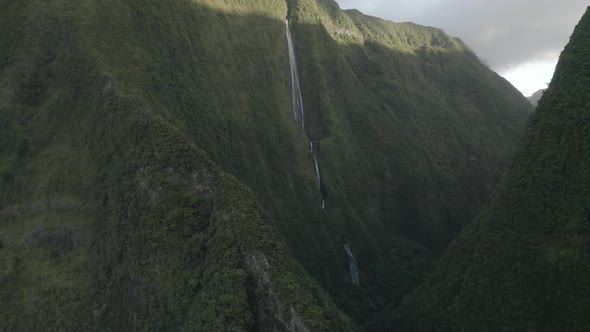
425,128
151,176
113,219
523,264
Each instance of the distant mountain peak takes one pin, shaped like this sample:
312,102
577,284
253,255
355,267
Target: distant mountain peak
535,97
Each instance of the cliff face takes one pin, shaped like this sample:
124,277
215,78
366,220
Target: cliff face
414,133
523,264
152,175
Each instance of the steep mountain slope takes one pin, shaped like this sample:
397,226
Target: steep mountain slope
111,218
152,175
425,128
524,265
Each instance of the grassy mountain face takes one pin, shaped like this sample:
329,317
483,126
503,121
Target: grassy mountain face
112,217
524,263
412,95
152,176
425,128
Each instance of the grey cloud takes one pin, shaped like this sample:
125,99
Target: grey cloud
504,33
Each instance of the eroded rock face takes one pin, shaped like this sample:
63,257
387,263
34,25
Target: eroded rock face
270,313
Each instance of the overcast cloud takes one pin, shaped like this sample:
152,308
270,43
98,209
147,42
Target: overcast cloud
506,34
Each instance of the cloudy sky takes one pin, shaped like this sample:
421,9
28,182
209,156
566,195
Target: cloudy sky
519,39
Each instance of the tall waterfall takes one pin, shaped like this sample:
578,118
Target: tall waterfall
354,271
295,87
298,114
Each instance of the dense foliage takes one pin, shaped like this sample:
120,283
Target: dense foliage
151,175
524,265
111,218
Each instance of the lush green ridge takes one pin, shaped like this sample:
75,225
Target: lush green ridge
524,265
150,168
113,220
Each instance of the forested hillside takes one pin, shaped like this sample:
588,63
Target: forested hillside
152,175
524,263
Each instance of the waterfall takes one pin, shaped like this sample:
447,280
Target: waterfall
354,272
298,114
295,87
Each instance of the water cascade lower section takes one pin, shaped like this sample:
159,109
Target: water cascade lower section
298,113
318,176
354,271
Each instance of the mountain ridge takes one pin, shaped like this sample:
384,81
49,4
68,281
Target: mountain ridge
535,97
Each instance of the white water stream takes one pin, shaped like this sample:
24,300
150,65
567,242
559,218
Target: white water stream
296,89
298,113
354,271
